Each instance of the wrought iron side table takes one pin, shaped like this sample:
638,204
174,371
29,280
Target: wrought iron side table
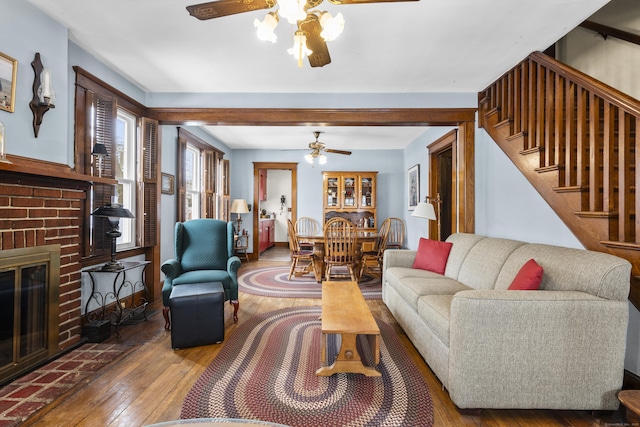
120,303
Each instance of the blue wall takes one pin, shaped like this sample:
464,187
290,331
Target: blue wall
21,42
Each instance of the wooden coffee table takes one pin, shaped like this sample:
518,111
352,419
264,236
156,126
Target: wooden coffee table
345,312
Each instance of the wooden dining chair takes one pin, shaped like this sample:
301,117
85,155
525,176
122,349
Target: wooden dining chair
372,260
306,226
395,236
301,259
340,244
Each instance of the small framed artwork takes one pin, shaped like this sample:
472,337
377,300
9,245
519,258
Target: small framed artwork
167,184
413,183
8,74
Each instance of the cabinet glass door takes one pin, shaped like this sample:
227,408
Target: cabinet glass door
349,191
332,191
367,192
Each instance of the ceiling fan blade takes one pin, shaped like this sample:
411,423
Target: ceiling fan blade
320,53
329,150
364,1
216,9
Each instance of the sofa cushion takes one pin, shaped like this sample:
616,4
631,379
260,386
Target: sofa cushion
432,255
395,275
568,269
462,244
414,287
528,278
484,261
435,310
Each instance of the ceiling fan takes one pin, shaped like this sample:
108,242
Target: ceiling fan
317,148
314,28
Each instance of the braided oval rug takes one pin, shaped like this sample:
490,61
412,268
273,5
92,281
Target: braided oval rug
272,282
266,371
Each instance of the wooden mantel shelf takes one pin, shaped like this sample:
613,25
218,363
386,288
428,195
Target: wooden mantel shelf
24,165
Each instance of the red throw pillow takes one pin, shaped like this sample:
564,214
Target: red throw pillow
432,255
528,278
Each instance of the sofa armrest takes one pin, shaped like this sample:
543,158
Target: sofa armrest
502,341
171,268
398,258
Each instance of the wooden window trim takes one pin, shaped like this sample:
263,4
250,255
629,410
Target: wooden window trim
90,89
211,165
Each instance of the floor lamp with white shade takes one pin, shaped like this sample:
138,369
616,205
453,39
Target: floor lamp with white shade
426,210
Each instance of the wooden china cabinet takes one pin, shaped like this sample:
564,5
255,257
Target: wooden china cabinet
351,195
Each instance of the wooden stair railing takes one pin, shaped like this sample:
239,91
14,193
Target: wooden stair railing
575,139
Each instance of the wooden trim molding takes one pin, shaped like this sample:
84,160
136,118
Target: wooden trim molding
313,116
291,166
37,167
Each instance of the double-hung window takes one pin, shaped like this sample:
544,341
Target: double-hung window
125,173
202,179
193,182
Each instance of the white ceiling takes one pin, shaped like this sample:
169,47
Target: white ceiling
393,47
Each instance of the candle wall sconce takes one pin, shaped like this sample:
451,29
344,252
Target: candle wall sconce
43,94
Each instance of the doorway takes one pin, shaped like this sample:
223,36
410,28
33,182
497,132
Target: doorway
275,203
451,176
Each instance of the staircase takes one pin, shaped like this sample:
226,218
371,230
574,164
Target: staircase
574,138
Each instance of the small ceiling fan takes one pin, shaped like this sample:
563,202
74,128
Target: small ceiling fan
317,148
313,28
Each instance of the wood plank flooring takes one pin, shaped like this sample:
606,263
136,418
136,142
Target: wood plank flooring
149,383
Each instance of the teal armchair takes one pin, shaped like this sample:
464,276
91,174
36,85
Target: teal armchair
203,253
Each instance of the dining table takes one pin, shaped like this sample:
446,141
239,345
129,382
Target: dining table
317,240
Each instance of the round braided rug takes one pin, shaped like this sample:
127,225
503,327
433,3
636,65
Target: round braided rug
266,371
272,282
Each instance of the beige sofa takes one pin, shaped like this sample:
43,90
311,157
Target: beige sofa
560,347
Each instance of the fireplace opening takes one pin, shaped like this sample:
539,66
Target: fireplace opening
29,308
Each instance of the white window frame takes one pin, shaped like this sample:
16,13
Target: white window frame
126,146
193,185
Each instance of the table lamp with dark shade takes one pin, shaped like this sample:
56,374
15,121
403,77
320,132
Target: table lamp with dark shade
113,212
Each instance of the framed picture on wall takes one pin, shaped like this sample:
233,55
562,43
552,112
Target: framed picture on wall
167,184
8,74
413,183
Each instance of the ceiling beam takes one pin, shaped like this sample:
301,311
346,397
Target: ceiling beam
312,116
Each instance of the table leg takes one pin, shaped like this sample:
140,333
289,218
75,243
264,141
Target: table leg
374,345
348,360
325,337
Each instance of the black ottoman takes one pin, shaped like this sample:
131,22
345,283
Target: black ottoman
197,314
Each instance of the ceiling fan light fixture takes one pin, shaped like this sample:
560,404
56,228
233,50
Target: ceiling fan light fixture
299,49
292,10
322,159
309,158
332,26
266,27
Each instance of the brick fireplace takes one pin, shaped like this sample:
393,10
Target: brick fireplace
43,210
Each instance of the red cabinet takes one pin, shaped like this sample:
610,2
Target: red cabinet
267,233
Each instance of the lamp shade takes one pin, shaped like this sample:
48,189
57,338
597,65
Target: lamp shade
239,206
424,210
99,149
113,210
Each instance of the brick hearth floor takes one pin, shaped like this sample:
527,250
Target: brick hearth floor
31,392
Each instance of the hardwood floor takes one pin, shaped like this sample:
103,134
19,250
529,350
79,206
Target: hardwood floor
149,383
